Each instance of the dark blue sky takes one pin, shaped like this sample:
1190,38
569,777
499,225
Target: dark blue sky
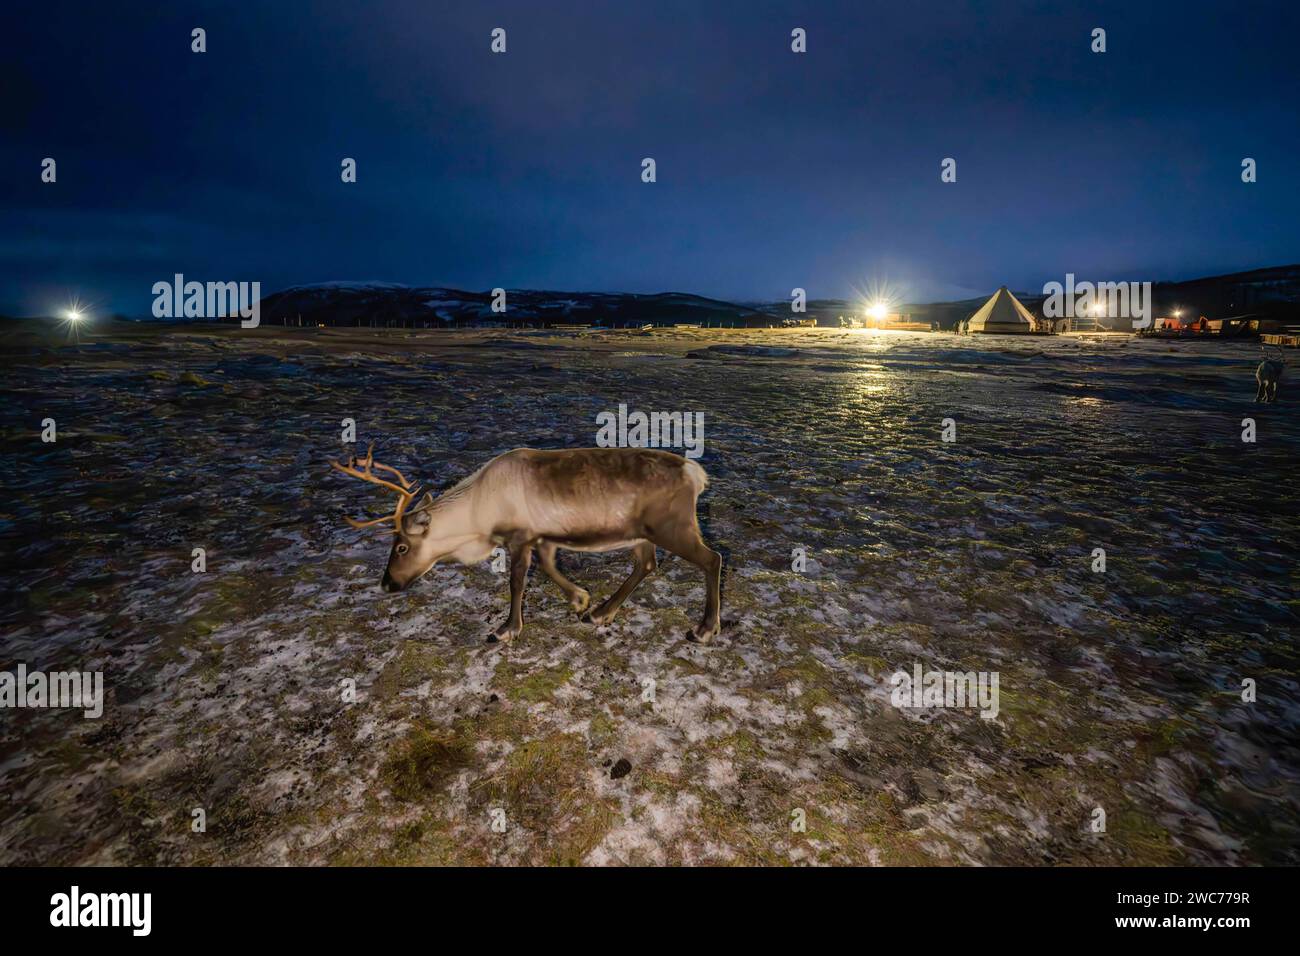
775,170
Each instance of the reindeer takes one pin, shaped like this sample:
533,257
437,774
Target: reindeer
1268,376
584,499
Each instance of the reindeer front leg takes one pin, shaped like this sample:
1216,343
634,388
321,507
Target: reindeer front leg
521,556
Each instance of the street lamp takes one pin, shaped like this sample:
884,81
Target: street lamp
1098,310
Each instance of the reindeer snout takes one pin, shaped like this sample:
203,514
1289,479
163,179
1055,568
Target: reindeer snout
388,584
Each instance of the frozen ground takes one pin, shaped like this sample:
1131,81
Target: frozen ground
1118,690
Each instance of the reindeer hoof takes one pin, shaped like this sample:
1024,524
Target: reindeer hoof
594,617
503,636
580,602
702,634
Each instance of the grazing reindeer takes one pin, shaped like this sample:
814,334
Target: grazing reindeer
584,499
1268,375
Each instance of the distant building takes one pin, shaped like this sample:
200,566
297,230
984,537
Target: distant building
894,321
1251,324
1002,314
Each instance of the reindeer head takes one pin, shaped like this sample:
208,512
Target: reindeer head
412,553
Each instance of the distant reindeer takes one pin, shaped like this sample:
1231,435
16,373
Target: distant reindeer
584,499
1268,376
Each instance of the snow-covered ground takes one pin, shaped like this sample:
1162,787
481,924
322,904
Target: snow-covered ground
1119,690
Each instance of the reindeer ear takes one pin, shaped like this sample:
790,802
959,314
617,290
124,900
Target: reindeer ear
418,522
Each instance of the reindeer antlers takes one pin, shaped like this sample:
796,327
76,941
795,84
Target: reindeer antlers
405,491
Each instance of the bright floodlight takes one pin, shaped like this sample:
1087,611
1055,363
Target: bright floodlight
878,311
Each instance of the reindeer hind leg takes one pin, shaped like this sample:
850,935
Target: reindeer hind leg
643,562
688,543
578,598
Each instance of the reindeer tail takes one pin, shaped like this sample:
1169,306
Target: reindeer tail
697,476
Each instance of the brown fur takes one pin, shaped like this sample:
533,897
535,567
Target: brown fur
584,499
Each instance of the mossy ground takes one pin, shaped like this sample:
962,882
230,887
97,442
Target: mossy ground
314,720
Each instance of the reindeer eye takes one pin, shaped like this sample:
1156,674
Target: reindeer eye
402,549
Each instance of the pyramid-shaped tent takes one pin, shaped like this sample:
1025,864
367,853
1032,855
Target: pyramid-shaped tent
1002,313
